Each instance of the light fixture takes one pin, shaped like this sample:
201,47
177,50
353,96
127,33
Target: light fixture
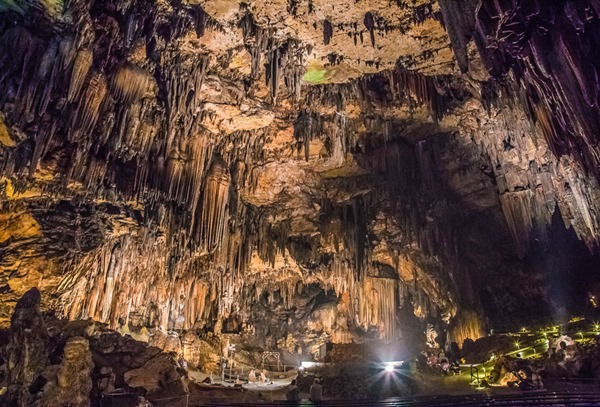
389,368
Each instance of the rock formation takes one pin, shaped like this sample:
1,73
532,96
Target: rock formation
27,353
299,172
73,382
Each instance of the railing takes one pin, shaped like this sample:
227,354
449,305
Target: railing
243,370
475,369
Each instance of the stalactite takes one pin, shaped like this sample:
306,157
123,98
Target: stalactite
459,20
293,67
405,88
327,32
87,113
422,88
369,22
423,12
131,83
135,134
272,74
81,68
306,127
292,7
214,203
202,20
531,192
562,85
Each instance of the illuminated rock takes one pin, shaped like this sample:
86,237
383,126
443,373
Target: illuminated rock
295,173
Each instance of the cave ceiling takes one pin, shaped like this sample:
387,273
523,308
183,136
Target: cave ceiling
183,163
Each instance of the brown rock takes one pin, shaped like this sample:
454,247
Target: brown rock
73,382
28,350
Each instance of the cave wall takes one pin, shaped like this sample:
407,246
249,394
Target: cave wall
187,166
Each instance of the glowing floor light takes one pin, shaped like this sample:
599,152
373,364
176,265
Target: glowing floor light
391,366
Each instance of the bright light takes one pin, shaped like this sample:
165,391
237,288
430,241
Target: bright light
390,366
308,365
517,345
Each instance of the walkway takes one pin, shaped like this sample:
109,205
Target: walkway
543,398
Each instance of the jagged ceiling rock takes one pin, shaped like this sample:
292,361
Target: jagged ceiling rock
347,39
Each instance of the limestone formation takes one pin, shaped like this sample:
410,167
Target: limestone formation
73,382
28,350
158,373
294,173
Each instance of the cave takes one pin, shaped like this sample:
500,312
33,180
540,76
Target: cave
193,190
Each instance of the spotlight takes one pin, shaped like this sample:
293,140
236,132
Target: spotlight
389,368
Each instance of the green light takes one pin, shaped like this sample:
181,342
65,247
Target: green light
315,75
53,8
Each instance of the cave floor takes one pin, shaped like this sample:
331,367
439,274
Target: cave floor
430,385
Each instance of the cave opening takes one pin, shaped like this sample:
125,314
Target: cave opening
570,269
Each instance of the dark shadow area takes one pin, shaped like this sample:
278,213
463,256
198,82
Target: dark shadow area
570,270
